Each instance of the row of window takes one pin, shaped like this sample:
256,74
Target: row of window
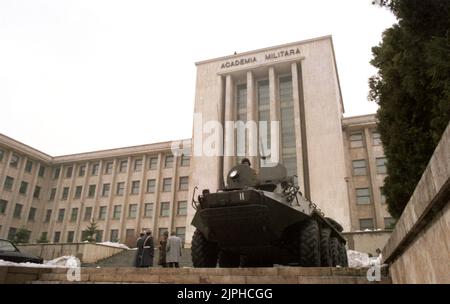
357,139
360,166
23,189
114,235
120,188
122,166
368,223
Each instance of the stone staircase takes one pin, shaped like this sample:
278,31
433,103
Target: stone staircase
272,275
126,259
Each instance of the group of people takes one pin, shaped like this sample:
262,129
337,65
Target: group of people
169,250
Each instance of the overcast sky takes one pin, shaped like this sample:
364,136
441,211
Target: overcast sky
78,76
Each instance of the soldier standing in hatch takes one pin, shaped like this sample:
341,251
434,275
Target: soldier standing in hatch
148,252
140,249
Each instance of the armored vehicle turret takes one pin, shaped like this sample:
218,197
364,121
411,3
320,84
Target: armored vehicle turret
261,220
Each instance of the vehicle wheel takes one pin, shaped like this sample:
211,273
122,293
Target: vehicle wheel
310,244
229,259
325,256
204,253
334,251
343,261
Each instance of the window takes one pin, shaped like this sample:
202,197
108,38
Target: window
185,160
182,208
381,165
359,167
70,236
23,188
102,213
3,205
184,183
41,172
28,166
362,196
167,184
106,188
12,233
168,162
74,215
78,191
241,116
117,211
389,223
48,216
52,194
37,192
69,172
135,187
108,168
123,165
14,161
356,140
95,168
8,185
148,210
56,236
2,154
153,164
151,183
82,170
44,235
88,213
366,224
61,213
32,214
18,210
181,233
162,230
132,210
65,193
376,137
120,188
383,197
114,235
99,236
138,164
164,211
91,192
56,172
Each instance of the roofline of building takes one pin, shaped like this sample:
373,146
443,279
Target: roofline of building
264,49
366,119
114,152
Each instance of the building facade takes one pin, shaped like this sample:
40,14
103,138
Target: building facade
339,161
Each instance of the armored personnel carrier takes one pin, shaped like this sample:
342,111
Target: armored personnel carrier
262,220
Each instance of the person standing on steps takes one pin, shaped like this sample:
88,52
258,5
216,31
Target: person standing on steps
148,250
173,249
162,249
140,249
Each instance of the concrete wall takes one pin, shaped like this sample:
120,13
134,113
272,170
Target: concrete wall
367,241
86,252
419,248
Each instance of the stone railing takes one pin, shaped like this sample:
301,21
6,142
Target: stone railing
419,248
86,252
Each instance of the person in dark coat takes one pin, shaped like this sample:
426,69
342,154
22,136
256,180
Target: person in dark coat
140,249
162,249
148,252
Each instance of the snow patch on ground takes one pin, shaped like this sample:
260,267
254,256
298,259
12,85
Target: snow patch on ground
117,245
358,259
64,262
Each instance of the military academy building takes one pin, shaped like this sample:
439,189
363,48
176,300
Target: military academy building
339,162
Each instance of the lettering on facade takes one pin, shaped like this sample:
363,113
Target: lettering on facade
269,56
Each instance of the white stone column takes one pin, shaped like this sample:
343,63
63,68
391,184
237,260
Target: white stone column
229,144
274,115
252,131
297,124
